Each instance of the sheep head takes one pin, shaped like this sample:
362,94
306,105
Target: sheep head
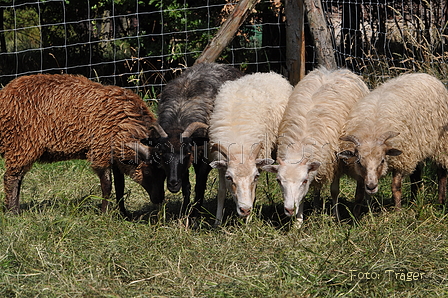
370,158
294,179
242,170
175,149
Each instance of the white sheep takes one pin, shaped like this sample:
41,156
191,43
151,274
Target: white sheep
243,128
396,126
309,135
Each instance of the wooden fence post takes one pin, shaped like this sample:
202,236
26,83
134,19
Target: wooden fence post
321,36
227,31
295,40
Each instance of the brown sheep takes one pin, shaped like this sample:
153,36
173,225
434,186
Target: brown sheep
52,118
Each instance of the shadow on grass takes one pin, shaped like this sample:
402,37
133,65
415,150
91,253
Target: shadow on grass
170,210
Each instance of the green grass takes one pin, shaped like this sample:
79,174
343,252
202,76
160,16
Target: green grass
62,246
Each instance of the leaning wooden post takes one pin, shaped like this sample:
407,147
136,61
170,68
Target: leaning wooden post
321,36
227,31
295,40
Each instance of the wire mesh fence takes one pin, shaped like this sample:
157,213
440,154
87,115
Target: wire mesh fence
131,43
382,38
141,44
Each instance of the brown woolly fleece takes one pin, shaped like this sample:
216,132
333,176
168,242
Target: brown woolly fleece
60,117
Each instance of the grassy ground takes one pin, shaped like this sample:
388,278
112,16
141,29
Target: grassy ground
62,246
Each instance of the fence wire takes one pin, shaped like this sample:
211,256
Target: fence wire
142,44
382,38
132,43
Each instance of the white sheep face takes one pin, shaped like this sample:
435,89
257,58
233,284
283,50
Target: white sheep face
294,179
241,181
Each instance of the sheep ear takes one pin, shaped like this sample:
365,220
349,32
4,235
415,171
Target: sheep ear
270,168
218,164
260,162
347,154
313,166
393,152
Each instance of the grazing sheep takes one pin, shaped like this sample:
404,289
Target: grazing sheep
396,126
243,128
181,132
309,135
60,117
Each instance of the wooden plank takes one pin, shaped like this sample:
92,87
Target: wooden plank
295,40
227,31
321,35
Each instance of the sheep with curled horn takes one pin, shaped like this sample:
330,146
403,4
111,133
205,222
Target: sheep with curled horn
396,127
243,130
309,136
180,136
52,118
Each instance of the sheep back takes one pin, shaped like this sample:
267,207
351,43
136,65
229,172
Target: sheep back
190,97
60,117
248,111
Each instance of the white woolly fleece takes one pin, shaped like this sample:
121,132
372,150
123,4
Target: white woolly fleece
248,111
315,116
416,106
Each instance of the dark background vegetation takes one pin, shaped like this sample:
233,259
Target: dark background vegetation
143,44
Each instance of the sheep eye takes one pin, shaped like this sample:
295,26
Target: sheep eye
305,181
256,177
358,161
278,180
382,161
228,177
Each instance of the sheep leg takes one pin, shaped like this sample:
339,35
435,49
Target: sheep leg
359,197
397,178
106,187
156,187
222,189
186,191
334,190
119,189
441,175
416,180
317,202
12,182
202,169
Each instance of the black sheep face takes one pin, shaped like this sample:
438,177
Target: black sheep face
174,154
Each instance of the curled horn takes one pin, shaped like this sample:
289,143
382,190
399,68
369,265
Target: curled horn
192,128
351,138
280,161
256,150
159,130
142,151
223,150
220,148
388,135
